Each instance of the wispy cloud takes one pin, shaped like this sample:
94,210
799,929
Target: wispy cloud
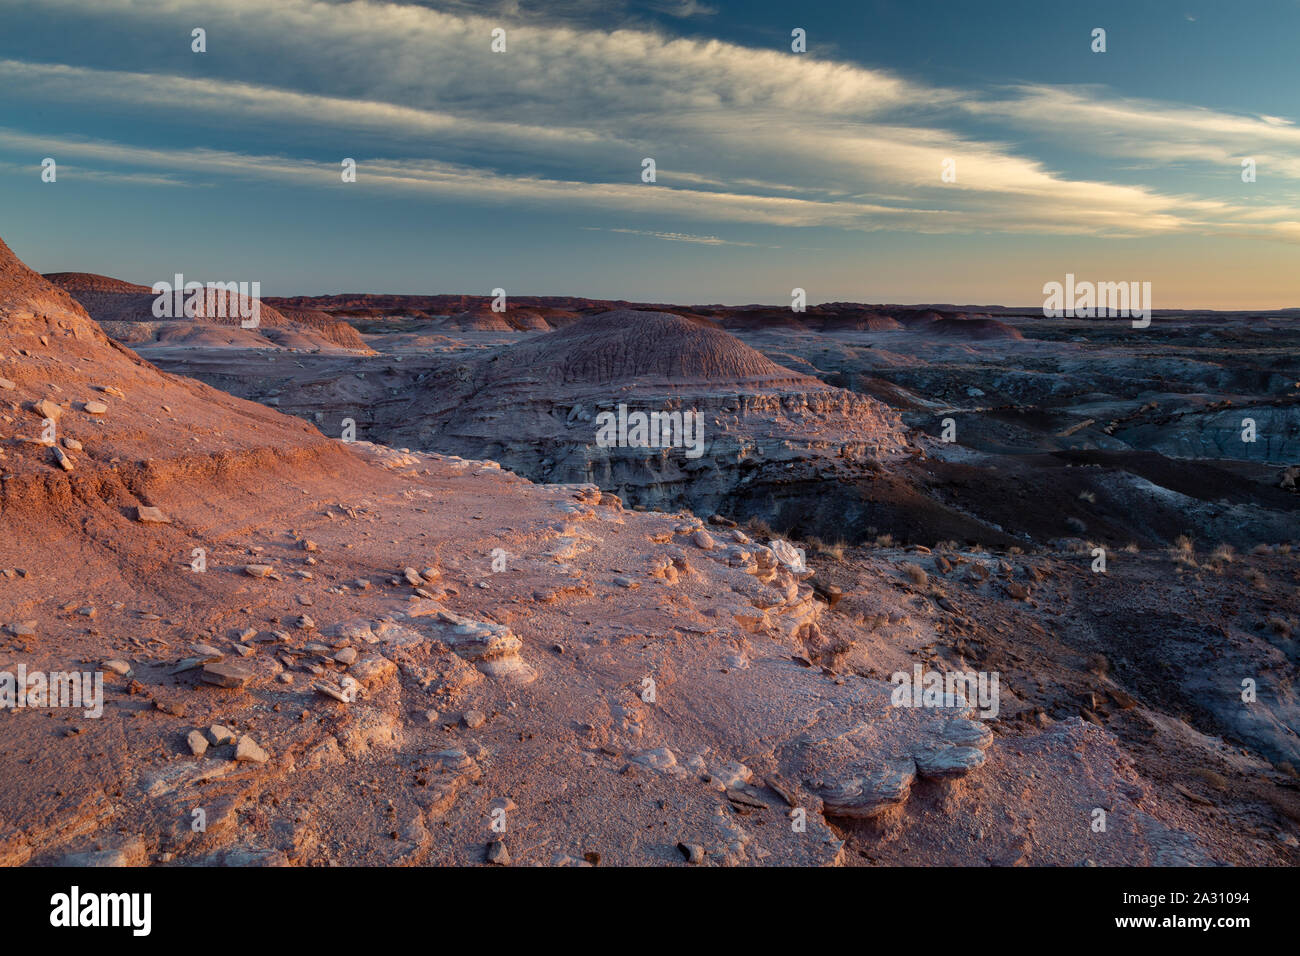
673,236
740,135
683,8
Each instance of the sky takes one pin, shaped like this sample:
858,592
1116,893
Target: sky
774,169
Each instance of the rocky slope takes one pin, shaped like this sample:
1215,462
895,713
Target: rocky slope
318,652
125,311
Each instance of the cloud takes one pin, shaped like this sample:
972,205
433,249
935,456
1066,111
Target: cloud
674,237
1145,129
683,8
565,116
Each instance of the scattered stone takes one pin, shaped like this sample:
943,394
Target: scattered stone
474,719
226,675
247,751
220,735
22,629
661,760
734,775
146,514
308,545
197,742
373,670
492,647
47,409
257,570
71,444
95,408
329,690
703,540
497,853
62,460
693,852
789,556
119,667
346,656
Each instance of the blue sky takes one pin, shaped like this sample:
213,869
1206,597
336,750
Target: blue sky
522,169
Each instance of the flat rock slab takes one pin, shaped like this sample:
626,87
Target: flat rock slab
47,409
226,674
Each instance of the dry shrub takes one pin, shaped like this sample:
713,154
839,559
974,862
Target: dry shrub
1215,779
1224,554
1183,551
1099,665
916,574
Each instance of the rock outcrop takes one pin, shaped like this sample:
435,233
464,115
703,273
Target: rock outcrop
544,407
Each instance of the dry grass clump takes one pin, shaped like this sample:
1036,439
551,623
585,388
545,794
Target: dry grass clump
1183,551
1130,548
1215,779
825,549
884,541
916,574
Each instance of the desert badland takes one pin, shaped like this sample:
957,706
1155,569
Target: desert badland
369,650
839,436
